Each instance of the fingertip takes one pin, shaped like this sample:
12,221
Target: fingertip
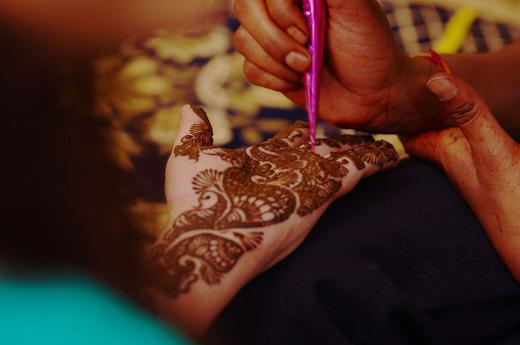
470,112
186,117
461,102
443,87
298,61
186,111
191,115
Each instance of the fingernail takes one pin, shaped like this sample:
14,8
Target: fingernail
298,61
298,35
443,88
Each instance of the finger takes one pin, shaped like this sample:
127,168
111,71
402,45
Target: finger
195,131
295,135
445,148
424,146
255,18
246,45
259,77
488,140
288,15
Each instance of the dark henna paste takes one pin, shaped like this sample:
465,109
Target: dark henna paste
264,185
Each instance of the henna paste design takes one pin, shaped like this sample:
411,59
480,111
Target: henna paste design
378,153
201,135
206,256
264,185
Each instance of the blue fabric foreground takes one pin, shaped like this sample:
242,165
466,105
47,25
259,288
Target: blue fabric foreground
65,310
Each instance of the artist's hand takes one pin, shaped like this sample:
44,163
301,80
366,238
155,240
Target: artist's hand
236,212
482,161
368,83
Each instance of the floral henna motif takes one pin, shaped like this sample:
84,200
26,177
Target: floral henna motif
201,136
264,185
377,153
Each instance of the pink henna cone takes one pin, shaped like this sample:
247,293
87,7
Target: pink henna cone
315,12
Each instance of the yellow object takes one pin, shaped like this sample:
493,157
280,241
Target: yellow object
501,11
456,31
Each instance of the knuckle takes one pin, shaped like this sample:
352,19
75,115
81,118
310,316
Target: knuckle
466,111
249,72
277,47
452,144
278,9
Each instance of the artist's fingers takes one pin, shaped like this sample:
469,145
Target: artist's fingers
246,45
259,77
489,142
288,15
295,135
194,127
254,17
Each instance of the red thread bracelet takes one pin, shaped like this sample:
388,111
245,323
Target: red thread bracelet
438,60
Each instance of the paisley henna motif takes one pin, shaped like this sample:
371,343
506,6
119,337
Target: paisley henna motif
203,256
264,185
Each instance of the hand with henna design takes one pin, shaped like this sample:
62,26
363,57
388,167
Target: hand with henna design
236,212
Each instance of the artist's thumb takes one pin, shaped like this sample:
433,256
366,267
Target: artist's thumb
489,142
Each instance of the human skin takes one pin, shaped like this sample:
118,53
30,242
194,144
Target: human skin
368,83
481,160
235,213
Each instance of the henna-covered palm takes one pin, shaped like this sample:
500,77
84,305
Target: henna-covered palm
265,198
